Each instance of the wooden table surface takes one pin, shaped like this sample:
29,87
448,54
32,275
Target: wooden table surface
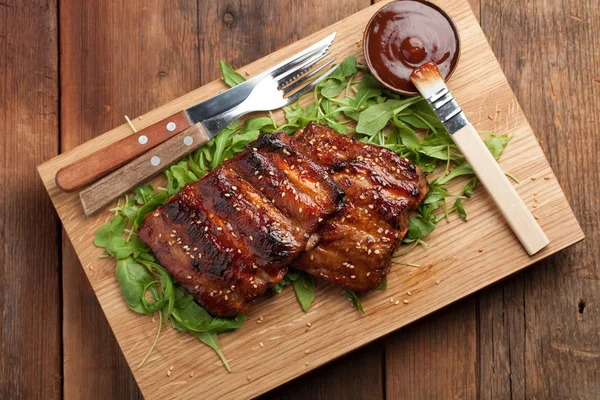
70,70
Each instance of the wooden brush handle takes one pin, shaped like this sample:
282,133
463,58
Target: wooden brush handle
141,169
502,191
96,165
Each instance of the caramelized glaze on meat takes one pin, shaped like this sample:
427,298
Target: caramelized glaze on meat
230,236
357,243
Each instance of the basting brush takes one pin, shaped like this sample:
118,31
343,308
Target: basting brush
430,84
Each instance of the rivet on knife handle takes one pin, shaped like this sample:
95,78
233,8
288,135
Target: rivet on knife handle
141,169
98,164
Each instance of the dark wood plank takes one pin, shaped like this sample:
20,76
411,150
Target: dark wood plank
247,30
539,330
30,356
358,375
501,323
435,358
117,58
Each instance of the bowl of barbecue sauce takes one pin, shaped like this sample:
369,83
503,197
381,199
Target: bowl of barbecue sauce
406,34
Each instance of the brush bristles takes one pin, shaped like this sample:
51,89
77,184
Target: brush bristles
427,80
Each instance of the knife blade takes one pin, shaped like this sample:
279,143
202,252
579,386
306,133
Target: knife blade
97,165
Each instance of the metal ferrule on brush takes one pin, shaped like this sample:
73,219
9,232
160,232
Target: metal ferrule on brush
448,111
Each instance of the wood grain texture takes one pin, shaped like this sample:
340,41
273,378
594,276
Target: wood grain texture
355,376
436,357
117,58
539,330
30,359
458,267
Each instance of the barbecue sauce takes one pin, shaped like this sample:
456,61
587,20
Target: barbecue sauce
406,34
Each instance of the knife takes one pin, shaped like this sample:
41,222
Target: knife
95,166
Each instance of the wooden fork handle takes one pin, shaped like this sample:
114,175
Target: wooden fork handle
103,192
93,167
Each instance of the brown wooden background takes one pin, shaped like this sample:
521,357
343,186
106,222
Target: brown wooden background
70,70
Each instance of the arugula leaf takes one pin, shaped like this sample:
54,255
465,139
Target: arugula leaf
458,206
221,141
304,287
197,162
336,82
121,248
414,121
383,284
368,81
337,127
133,279
463,169
113,228
439,151
375,118
303,284
418,228
193,317
256,124
409,137
347,68
299,117
497,144
179,175
332,88
470,187
143,193
158,199
210,339
366,92
350,295
230,76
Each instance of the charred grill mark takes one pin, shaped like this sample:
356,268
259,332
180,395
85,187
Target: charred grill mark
232,234
274,143
358,242
294,184
274,238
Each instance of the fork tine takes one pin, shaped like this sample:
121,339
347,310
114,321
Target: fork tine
291,62
300,69
294,97
304,78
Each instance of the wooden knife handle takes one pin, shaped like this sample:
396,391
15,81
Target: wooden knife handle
502,191
141,169
106,160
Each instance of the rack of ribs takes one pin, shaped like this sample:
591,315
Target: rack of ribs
357,243
230,236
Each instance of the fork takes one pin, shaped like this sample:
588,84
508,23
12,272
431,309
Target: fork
274,91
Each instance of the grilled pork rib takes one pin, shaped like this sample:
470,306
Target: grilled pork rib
230,236
357,243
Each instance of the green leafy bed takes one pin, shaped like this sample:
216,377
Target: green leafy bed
350,101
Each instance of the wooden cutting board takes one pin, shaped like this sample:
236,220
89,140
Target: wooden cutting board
461,258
